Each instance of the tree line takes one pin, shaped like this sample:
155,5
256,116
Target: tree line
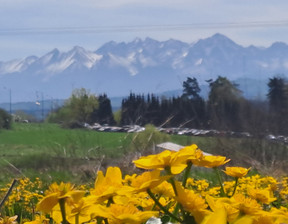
225,109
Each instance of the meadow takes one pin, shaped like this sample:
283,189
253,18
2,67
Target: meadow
52,153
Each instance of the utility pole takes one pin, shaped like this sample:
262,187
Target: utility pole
52,105
10,100
42,99
40,102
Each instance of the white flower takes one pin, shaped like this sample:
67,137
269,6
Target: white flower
154,220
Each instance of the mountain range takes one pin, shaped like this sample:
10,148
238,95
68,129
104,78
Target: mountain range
143,66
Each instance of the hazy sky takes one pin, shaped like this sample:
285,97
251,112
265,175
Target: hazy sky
35,27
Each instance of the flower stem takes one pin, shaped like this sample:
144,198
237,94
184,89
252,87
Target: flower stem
162,207
77,219
63,211
157,198
172,181
186,174
222,192
110,201
235,186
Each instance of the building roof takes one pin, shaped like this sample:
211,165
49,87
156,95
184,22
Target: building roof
174,147
170,146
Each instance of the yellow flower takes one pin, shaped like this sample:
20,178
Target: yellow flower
79,212
219,216
141,200
190,153
9,220
281,215
237,172
217,203
106,186
211,161
262,195
57,192
39,219
163,160
164,189
126,214
128,179
245,205
245,219
148,180
264,218
191,202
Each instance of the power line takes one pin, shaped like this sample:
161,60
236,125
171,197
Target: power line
136,28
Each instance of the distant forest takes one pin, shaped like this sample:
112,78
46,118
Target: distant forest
225,109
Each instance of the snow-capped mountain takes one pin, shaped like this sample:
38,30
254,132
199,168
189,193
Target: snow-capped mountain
141,66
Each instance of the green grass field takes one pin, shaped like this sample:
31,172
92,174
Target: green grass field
46,150
36,149
56,154
33,138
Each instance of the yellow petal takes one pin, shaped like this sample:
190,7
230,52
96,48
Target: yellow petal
76,195
217,217
57,216
99,179
176,169
246,219
115,174
47,203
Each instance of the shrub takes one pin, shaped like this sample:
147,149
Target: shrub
145,141
5,119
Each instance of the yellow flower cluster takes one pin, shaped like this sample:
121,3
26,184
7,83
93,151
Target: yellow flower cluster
23,198
165,190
